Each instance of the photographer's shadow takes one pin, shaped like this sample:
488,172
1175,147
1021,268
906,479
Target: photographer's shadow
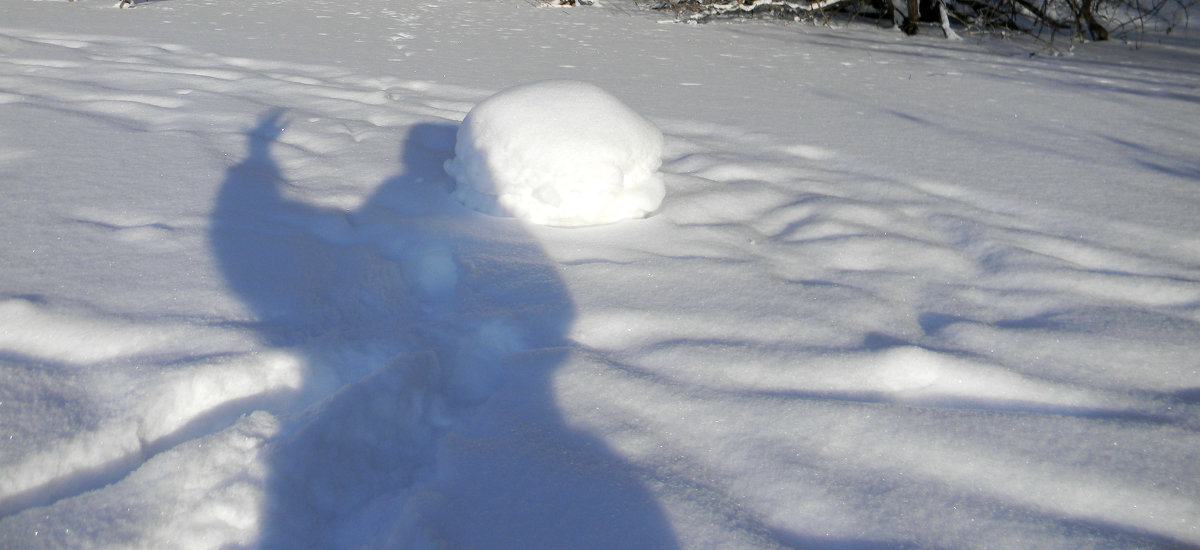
431,334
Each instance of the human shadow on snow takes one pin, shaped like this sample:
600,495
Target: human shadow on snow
430,333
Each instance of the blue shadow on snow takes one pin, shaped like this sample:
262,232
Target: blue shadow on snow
430,335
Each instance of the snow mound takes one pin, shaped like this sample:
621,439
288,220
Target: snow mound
559,152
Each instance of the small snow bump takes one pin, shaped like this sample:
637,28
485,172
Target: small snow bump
561,153
809,152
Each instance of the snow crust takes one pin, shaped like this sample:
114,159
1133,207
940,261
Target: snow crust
240,309
563,153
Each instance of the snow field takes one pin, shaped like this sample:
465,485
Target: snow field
240,307
136,420
881,304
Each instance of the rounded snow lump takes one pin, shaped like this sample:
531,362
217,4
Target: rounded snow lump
558,152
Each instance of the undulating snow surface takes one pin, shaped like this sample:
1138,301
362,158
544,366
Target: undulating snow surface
560,152
901,292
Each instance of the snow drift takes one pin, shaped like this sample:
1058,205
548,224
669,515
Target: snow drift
562,153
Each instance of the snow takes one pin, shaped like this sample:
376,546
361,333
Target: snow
562,153
900,292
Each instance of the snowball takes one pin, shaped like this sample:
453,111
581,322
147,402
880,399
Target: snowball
560,152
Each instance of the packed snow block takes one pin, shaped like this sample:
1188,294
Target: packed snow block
560,152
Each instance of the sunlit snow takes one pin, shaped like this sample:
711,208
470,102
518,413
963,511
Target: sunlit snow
834,287
560,153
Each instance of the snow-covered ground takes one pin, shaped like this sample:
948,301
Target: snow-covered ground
902,292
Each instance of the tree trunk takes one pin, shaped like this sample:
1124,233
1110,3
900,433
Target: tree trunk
910,26
1097,30
944,18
